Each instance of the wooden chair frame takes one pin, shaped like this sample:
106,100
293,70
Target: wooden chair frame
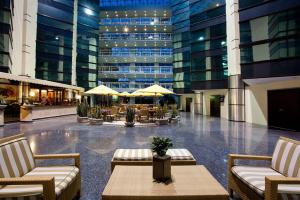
72,191
271,182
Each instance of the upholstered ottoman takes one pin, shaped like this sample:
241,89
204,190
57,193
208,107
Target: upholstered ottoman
144,157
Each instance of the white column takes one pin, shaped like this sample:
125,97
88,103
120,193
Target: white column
236,87
198,102
74,43
29,38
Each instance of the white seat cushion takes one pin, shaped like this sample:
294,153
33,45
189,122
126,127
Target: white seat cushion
180,154
64,176
254,177
133,155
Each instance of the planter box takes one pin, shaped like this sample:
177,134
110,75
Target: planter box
94,121
26,113
162,168
2,108
174,120
129,124
161,121
82,119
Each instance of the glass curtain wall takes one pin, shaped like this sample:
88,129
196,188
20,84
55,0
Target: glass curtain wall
6,12
181,45
87,43
54,40
208,45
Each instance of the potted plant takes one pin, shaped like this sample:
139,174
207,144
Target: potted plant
96,116
82,112
130,115
174,116
160,117
2,107
161,161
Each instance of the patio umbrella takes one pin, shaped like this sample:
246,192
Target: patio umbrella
125,94
102,90
145,94
157,89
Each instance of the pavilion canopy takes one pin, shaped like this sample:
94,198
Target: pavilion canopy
157,89
102,90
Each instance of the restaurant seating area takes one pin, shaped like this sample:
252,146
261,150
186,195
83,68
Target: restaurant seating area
25,175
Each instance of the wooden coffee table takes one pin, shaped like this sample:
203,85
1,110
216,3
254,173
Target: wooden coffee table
193,182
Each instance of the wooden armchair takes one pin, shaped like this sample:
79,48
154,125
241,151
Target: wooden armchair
22,178
279,181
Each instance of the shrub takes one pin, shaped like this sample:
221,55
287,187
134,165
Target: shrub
160,145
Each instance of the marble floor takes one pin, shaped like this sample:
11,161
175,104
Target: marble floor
209,140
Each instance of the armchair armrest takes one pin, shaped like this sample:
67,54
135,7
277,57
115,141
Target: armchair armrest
46,181
75,156
272,182
233,157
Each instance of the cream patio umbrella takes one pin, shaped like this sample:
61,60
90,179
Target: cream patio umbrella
157,89
139,93
102,90
125,94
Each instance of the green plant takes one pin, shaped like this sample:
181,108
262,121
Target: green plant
160,145
130,115
2,100
98,113
160,114
82,109
174,111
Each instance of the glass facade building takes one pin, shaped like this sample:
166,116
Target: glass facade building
87,43
54,40
181,45
135,44
6,12
208,45
269,39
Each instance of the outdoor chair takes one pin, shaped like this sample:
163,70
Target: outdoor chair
144,157
278,181
115,113
143,116
21,178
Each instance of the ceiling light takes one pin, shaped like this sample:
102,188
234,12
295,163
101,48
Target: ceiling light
88,11
126,29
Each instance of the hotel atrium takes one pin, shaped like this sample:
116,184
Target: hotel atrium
149,99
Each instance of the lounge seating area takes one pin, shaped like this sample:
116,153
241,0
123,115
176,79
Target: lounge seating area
23,176
279,180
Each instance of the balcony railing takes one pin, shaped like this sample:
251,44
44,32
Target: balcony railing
137,36
135,21
136,53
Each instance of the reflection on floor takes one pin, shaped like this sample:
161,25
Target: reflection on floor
209,140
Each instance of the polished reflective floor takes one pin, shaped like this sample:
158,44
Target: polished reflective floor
209,140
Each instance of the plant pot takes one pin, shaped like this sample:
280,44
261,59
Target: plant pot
82,119
94,121
174,120
160,122
161,168
129,124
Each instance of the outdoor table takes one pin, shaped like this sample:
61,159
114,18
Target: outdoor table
189,182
